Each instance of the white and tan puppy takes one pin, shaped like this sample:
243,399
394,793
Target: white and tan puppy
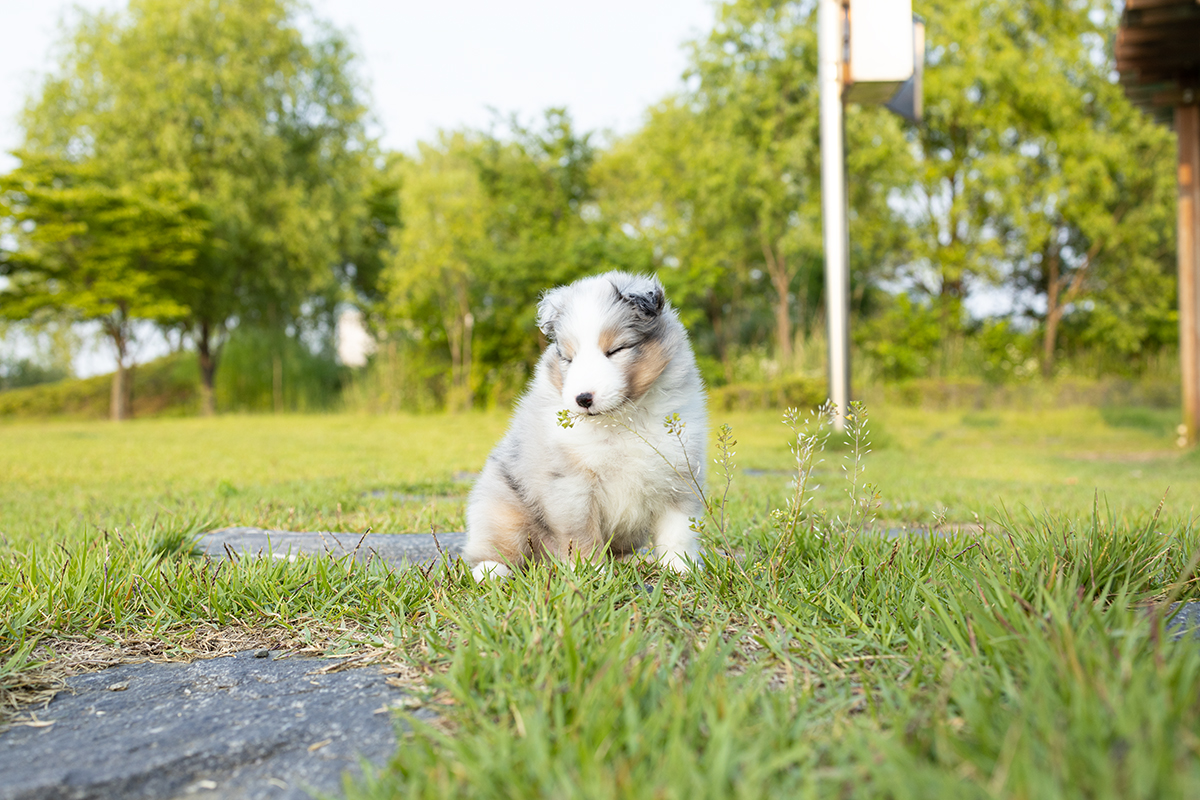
617,479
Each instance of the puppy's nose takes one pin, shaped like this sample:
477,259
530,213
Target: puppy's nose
584,399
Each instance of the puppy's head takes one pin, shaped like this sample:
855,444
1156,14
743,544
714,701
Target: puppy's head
609,334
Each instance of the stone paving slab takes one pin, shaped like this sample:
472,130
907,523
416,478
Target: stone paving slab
395,549
235,728
1185,619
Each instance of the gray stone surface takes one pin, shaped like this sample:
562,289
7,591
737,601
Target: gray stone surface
1185,619
396,549
230,728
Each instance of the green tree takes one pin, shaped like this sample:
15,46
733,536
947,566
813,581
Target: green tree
433,285
492,219
725,177
1096,231
98,250
545,227
257,105
1034,174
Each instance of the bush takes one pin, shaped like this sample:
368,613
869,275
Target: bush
974,393
246,376
794,391
1006,353
23,372
903,340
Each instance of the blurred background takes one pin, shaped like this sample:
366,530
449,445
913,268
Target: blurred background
270,206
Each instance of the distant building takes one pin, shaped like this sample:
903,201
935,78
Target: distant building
354,344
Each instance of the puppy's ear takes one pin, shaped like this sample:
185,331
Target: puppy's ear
646,297
548,311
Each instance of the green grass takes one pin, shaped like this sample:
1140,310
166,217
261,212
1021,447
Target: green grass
913,669
398,473
1027,662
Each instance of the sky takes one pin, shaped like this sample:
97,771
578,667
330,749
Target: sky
437,65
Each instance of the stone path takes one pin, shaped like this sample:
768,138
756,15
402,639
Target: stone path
396,549
236,727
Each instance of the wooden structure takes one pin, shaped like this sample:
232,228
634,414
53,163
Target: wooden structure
1158,56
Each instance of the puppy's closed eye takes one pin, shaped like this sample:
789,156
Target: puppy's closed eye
621,348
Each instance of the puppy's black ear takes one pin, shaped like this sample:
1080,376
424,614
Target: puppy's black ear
548,310
647,301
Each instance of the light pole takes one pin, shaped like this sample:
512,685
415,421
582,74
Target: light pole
833,205
875,58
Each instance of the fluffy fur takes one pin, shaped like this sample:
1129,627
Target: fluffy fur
617,479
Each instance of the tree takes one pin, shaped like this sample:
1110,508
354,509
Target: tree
265,122
1097,230
433,285
725,177
545,227
98,250
491,220
1034,173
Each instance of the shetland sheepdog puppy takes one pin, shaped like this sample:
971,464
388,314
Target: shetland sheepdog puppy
618,470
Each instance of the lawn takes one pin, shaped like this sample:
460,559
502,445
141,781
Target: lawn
403,474
823,660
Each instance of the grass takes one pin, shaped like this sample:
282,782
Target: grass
405,473
1029,661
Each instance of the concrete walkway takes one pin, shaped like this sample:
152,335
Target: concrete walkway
269,727
395,549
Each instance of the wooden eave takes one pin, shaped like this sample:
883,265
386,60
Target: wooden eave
1157,51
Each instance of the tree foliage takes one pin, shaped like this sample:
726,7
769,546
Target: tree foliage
724,178
264,125
1035,175
215,156
99,249
491,220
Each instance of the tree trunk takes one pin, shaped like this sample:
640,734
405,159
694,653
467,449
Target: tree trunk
459,325
276,380
119,402
781,279
1053,311
118,407
468,334
454,340
208,370
1057,300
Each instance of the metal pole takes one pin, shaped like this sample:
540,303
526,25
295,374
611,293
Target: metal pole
833,205
1187,128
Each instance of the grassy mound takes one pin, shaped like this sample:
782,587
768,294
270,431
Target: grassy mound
168,386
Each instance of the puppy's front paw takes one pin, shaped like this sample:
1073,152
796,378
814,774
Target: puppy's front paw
489,569
678,562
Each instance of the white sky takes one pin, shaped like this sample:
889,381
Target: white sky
434,65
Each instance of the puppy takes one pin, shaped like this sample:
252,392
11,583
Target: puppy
609,476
